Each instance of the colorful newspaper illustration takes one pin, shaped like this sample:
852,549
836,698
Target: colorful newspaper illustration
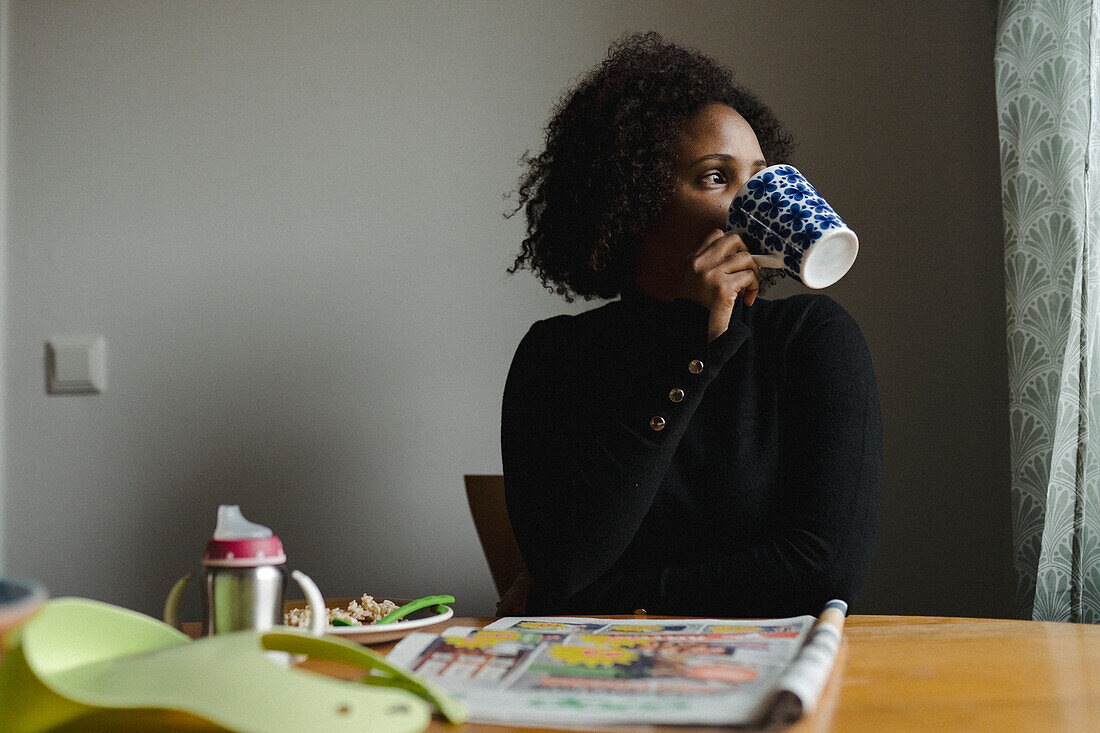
586,672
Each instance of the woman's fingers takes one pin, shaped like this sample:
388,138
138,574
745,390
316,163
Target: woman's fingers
739,284
725,250
737,261
722,254
720,244
717,274
751,289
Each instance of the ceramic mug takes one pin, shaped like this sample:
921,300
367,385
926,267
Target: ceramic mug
787,225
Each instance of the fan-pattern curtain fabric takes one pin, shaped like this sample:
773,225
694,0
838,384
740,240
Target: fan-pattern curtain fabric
1047,97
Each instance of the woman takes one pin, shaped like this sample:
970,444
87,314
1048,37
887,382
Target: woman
687,449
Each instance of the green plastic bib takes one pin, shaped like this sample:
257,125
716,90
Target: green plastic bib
80,662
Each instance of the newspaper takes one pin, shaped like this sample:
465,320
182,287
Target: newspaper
585,672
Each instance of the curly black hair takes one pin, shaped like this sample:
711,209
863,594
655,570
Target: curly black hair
607,169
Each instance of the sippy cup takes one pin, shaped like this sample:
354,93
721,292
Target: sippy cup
244,580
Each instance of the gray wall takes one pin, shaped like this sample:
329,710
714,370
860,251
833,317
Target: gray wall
285,218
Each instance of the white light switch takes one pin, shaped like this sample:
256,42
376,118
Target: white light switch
76,365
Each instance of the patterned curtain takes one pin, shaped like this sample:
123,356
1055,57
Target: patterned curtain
1048,96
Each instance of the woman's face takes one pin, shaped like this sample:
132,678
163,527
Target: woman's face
717,152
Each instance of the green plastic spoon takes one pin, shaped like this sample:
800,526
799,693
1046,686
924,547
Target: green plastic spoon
411,606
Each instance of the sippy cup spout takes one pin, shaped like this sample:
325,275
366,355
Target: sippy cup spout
233,526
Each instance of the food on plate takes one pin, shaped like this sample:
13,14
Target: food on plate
362,612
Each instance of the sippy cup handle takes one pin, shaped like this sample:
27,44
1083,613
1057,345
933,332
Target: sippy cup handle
318,617
172,602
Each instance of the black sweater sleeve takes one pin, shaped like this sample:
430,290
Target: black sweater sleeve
583,462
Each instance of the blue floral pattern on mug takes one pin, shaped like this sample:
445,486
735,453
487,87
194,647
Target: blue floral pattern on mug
769,205
806,237
762,186
777,211
795,216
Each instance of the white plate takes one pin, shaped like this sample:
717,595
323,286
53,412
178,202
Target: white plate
423,617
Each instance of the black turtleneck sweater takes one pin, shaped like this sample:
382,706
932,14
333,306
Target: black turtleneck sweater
757,495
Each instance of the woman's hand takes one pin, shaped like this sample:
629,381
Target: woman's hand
716,274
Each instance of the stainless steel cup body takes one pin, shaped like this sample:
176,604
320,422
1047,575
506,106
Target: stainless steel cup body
236,599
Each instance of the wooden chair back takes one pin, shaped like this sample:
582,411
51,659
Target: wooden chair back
485,493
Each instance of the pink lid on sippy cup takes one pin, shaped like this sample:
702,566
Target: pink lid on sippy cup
239,543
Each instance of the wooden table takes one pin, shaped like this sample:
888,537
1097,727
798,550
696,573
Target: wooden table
914,673
917,673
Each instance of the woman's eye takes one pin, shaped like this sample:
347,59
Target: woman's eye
714,177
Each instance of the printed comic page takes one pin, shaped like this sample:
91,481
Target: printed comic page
584,672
